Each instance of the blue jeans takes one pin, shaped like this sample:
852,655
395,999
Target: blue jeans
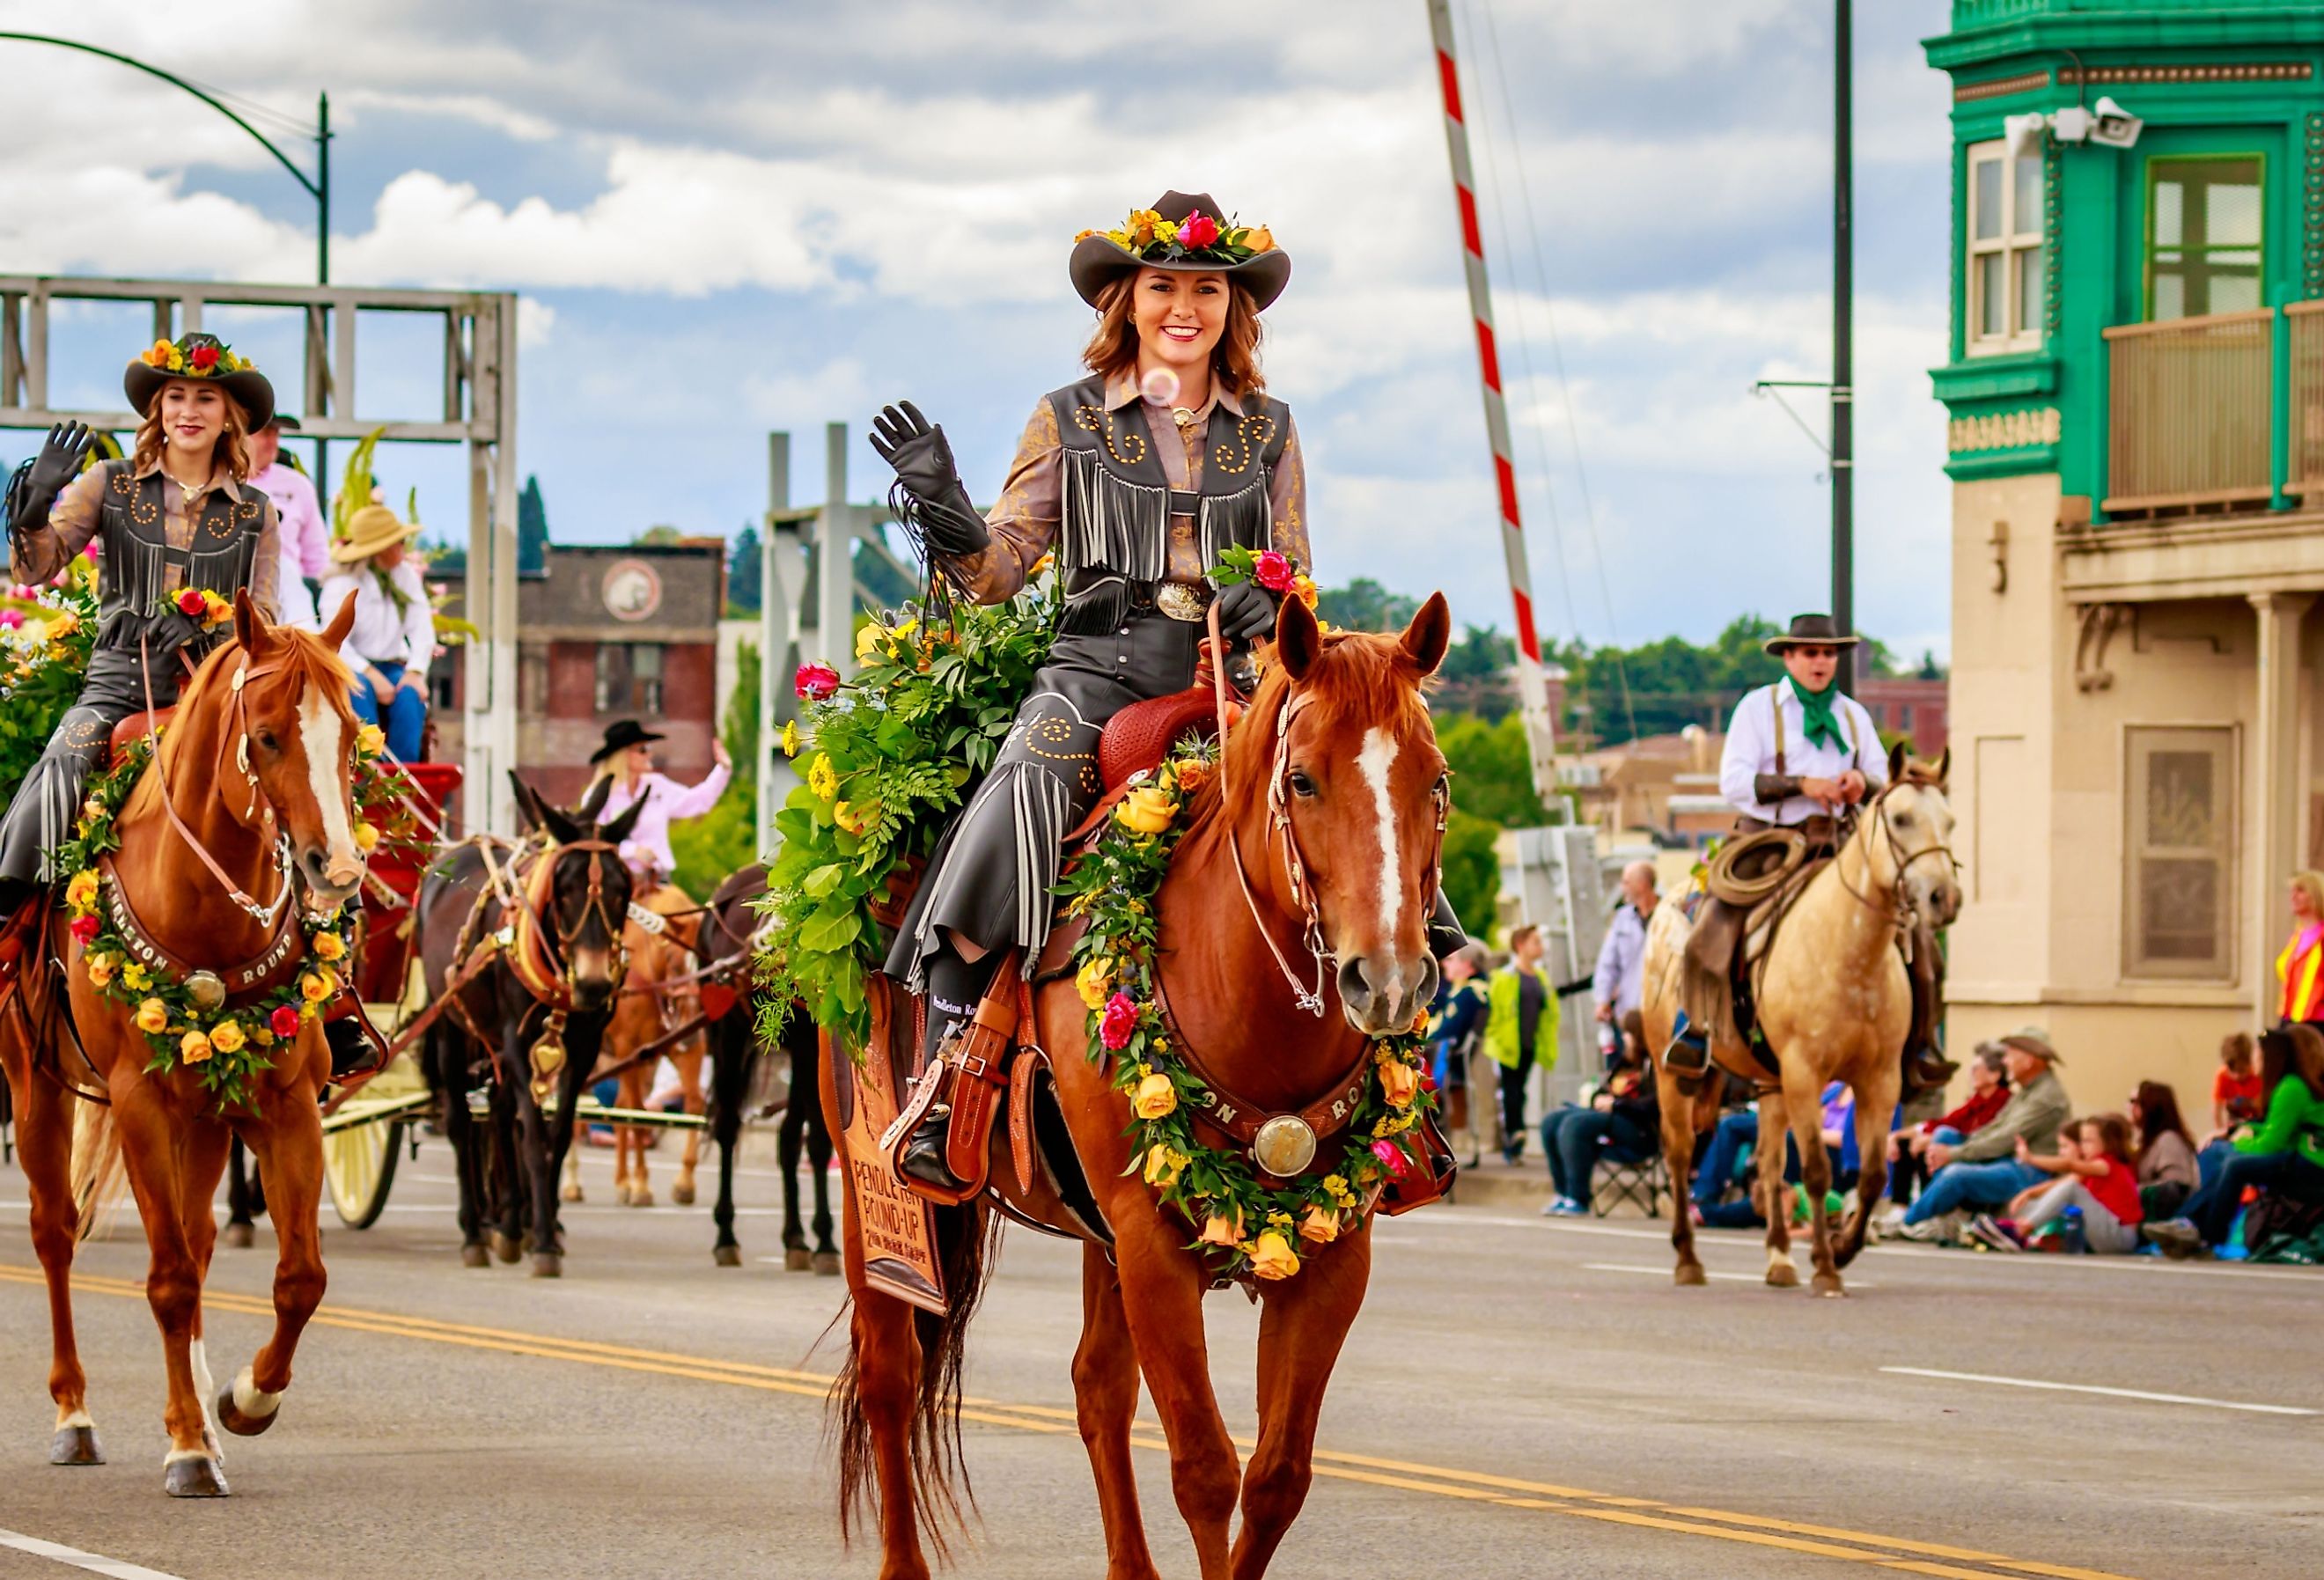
1986,1186
1729,1138
1572,1136
2210,1160
405,711
2212,1209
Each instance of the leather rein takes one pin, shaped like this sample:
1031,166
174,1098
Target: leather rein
1907,914
239,728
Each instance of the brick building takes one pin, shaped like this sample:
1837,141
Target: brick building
607,632
1911,708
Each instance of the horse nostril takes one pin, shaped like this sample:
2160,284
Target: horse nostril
1355,983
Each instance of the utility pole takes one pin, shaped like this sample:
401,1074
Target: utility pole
1843,395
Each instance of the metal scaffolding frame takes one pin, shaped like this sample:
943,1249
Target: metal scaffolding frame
479,410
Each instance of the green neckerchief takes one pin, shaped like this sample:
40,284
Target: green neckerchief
402,600
1816,720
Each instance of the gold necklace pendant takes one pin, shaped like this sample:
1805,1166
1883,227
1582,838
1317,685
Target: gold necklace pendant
1184,416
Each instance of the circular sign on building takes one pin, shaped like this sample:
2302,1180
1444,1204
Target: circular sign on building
633,589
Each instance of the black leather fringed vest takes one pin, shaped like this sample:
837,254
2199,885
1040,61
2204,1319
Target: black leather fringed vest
138,559
1113,535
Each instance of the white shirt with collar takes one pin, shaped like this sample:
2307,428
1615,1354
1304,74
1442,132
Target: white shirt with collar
1751,751
380,634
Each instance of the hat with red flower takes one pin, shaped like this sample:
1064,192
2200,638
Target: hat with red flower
206,360
1187,233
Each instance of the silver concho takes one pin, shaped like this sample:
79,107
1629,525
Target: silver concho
1284,1146
1180,601
206,990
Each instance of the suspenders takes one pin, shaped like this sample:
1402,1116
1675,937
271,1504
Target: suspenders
1776,705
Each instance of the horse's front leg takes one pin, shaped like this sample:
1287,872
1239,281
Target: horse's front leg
1105,1398
1678,1127
688,1066
632,1189
445,1054
174,1282
532,1167
1162,1292
1801,1099
1300,1333
44,1130
573,1080
1774,1199
288,1142
730,1077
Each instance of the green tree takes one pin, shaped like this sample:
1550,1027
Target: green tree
744,572
1473,871
1492,770
722,839
1363,605
531,531
658,535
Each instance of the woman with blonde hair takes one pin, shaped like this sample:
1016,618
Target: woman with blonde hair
180,532
625,758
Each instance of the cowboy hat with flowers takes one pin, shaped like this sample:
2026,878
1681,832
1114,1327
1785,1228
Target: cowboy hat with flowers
1183,233
208,359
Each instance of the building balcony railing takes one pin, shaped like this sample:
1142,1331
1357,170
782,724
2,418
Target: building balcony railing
2217,414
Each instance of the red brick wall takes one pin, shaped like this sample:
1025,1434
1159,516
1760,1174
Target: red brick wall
1887,700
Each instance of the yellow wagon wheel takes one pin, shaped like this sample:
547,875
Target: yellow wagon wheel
359,1164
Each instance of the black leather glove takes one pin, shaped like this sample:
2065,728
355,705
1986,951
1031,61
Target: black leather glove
63,455
917,449
1245,612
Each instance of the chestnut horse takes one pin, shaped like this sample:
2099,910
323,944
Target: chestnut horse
1361,777
657,1000
1834,1003
293,727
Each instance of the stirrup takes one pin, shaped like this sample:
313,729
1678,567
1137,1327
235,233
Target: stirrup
922,1157
1926,1069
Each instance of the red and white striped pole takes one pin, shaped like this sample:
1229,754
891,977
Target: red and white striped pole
1532,696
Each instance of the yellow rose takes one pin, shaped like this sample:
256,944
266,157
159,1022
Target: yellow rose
790,737
132,976
1303,587
1272,1258
1155,1097
153,1017
99,968
1220,1229
329,946
193,1048
80,894
1162,1166
1094,981
1321,1224
869,641
1147,809
822,777
315,986
1262,240
62,625
367,835
1399,1082
371,740
1083,236
227,1037
262,1035
855,818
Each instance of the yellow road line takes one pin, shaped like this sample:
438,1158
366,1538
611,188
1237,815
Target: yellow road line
1369,1470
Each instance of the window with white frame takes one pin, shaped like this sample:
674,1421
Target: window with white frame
2002,272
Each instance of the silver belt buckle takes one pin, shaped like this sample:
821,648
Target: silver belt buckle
1180,601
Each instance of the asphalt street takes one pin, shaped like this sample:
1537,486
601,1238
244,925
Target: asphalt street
1520,1398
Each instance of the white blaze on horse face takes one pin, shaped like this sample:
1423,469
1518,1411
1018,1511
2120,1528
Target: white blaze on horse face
1373,761
320,732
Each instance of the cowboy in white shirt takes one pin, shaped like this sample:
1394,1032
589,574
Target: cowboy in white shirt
1800,752
305,535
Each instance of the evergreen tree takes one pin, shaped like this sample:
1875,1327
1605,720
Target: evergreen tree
744,572
531,531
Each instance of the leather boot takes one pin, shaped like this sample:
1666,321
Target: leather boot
955,988
1926,1069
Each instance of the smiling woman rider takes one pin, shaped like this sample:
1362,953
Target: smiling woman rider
177,516
1137,478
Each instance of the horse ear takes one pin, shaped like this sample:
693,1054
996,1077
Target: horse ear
341,623
594,801
1944,769
528,805
1298,640
1430,634
1898,755
251,632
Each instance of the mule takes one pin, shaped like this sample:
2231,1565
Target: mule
260,756
529,1026
1833,1003
1339,729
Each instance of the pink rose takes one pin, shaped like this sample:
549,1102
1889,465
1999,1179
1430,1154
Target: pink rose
88,550
1197,230
815,682
1273,572
83,927
1120,1022
191,602
1391,1157
12,619
284,1021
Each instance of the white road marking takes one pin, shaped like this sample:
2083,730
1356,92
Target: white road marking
95,1564
1373,761
2217,1404
1664,1272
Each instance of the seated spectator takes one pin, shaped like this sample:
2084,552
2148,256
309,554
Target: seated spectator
1908,1150
394,632
1624,1118
1456,1028
2166,1152
1747,1212
2096,1175
1983,1172
2283,1152
1735,1138
2235,1089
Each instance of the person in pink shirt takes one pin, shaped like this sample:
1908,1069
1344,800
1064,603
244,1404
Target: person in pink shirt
306,536
624,760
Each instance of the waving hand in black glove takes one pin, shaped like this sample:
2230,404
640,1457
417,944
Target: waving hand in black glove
917,449
1245,612
63,455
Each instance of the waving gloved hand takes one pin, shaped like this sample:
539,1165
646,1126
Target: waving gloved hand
63,455
1245,612
917,449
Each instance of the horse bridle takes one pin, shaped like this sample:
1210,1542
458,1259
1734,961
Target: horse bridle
555,933
1907,913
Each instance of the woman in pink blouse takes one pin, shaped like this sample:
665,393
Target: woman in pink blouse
624,760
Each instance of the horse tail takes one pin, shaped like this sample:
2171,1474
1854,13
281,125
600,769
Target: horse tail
967,1237
99,1175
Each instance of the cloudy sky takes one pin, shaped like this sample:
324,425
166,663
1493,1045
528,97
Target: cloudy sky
728,217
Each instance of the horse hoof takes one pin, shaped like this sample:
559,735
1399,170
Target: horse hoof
237,1236
231,1417
472,1254
727,1255
796,1259
76,1446
1687,1274
547,1265
195,1475
682,1193
826,1264
570,1193
504,1247
637,1196
1783,1275
1829,1285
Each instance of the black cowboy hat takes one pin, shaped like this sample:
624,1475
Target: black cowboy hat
1811,631
621,735
1098,259
205,359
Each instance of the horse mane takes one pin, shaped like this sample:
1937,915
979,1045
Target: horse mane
304,655
1356,672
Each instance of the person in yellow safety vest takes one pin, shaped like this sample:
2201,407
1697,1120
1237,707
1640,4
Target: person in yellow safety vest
2300,967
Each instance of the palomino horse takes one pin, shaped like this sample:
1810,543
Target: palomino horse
1340,720
276,701
659,998
528,1024
1833,1003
